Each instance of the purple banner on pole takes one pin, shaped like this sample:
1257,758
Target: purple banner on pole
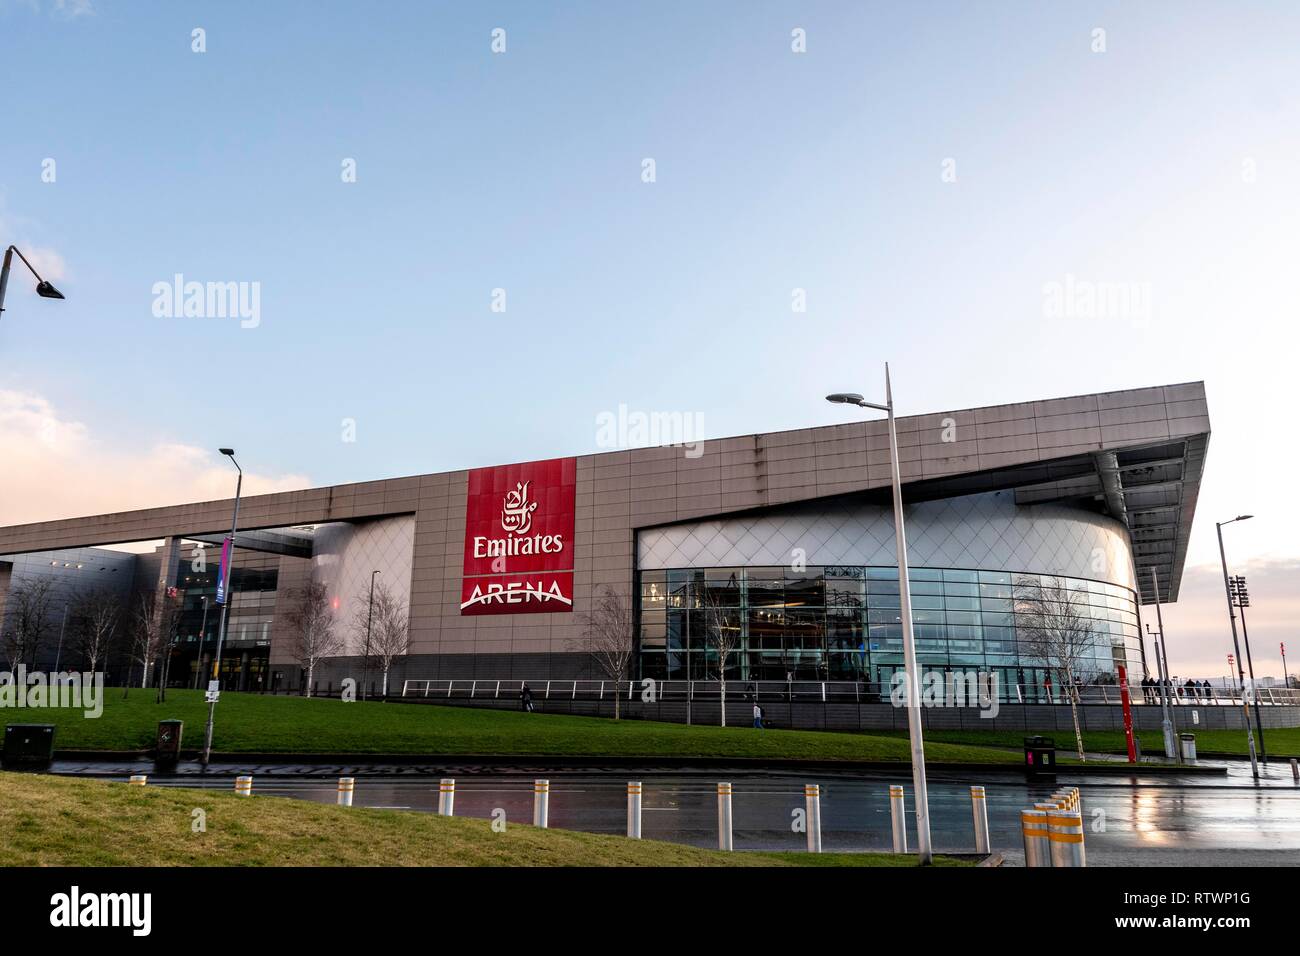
223,572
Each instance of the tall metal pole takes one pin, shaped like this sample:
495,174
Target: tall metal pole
1254,689
1232,617
62,628
905,615
4,277
225,613
1166,724
1286,678
1166,720
909,645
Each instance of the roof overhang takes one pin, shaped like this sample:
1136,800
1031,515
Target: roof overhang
1151,488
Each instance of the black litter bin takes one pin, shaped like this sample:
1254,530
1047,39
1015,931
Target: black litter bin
28,745
1040,757
168,748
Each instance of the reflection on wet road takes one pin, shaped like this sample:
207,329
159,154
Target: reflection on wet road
1122,813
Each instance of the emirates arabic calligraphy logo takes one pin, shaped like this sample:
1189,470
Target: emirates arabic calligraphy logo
517,512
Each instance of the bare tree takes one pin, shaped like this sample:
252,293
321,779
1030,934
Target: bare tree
722,634
1055,626
380,628
392,632
153,630
607,636
28,619
99,613
312,621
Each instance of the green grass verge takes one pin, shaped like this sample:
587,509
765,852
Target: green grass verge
1284,741
60,821
255,723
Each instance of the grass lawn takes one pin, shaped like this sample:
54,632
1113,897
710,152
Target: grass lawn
1281,741
60,821
268,724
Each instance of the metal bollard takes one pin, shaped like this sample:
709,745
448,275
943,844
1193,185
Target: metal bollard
980,811
447,797
139,779
1065,834
812,800
725,841
1033,827
244,786
541,802
346,786
634,809
897,817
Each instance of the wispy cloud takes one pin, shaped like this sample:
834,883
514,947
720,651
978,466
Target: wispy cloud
54,467
65,9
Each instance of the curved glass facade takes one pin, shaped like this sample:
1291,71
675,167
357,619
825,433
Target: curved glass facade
842,623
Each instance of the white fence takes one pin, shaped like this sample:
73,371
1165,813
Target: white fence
805,691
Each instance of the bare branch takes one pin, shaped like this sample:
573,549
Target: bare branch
1055,626
607,635
312,621
28,620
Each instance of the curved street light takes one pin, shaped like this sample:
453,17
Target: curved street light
224,596
43,288
1232,617
924,852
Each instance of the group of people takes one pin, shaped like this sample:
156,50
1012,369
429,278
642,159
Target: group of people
1190,690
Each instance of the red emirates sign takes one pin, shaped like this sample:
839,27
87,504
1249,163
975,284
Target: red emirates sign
519,538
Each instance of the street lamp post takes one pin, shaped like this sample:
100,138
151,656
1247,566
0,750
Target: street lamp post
225,605
905,607
1158,689
1162,666
58,655
1232,618
43,288
1242,597
365,658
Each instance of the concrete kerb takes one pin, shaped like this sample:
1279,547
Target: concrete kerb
561,762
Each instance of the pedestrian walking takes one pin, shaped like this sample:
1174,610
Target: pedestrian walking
1209,691
526,698
758,717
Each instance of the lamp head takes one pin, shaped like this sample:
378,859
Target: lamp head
845,398
228,452
47,291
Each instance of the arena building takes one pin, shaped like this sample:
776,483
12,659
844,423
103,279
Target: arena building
788,536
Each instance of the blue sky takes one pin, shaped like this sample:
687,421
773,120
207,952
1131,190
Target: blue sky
1168,161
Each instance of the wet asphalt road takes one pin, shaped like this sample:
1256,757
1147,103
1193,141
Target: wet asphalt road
1124,815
